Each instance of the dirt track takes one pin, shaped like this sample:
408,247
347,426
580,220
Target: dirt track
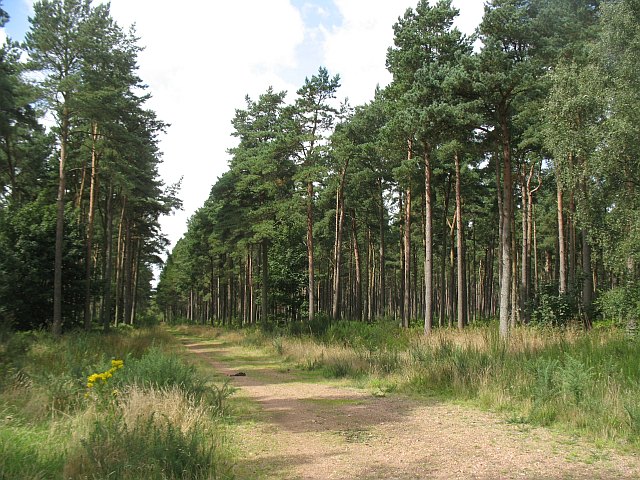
316,431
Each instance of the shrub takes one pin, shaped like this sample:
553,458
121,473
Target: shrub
574,379
157,369
151,432
151,448
553,309
338,368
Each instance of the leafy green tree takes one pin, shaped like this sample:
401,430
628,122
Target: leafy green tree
506,73
265,174
313,116
55,45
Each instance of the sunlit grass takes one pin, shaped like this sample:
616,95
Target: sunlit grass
584,382
147,414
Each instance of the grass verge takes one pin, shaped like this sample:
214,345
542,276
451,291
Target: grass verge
586,383
156,417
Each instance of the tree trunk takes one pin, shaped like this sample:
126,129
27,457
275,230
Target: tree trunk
136,276
358,272
120,264
265,282
252,295
500,216
587,282
311,292
452,266
337,254
383,271
406,306
505,240
92,200
428,245
462,289
56,327
370,278
106,309
572,243
562,255
515,311
128,277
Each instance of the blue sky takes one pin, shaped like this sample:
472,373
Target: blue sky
202,57
18,23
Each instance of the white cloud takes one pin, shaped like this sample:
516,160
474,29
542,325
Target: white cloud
200,60
357,49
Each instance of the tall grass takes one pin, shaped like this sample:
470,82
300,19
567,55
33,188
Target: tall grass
587,382
154,418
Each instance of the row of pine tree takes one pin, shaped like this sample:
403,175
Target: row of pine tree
80,200
495,176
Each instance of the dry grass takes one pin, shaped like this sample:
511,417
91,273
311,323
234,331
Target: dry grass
586,382
164,405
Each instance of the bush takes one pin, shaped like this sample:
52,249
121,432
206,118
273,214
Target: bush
382,335
553,309
338,368
157,369
150,448
622,305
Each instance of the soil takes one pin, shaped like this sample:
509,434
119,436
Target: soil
309,430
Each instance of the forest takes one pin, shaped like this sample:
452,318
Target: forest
494,177
441,283
80,194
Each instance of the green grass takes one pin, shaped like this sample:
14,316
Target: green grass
29,452
157,417
586,383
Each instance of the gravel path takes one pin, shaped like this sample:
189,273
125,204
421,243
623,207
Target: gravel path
316,431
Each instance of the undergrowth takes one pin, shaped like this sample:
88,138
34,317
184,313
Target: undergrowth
584,382
121,405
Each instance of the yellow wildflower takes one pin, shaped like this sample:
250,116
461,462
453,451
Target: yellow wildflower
117,363
104,376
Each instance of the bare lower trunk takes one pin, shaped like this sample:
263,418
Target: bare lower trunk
252,295
462,290
358,272
428,246
106,311
120,264
383,296
572,242
587,282
56,327
265,282
451,297
505,240
406,308
524,249
311,292
500,216
587,274
337,255
128,274
92,200
443,258
562,255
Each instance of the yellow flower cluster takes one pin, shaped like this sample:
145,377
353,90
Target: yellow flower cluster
104,376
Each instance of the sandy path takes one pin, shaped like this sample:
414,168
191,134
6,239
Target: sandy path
316,431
